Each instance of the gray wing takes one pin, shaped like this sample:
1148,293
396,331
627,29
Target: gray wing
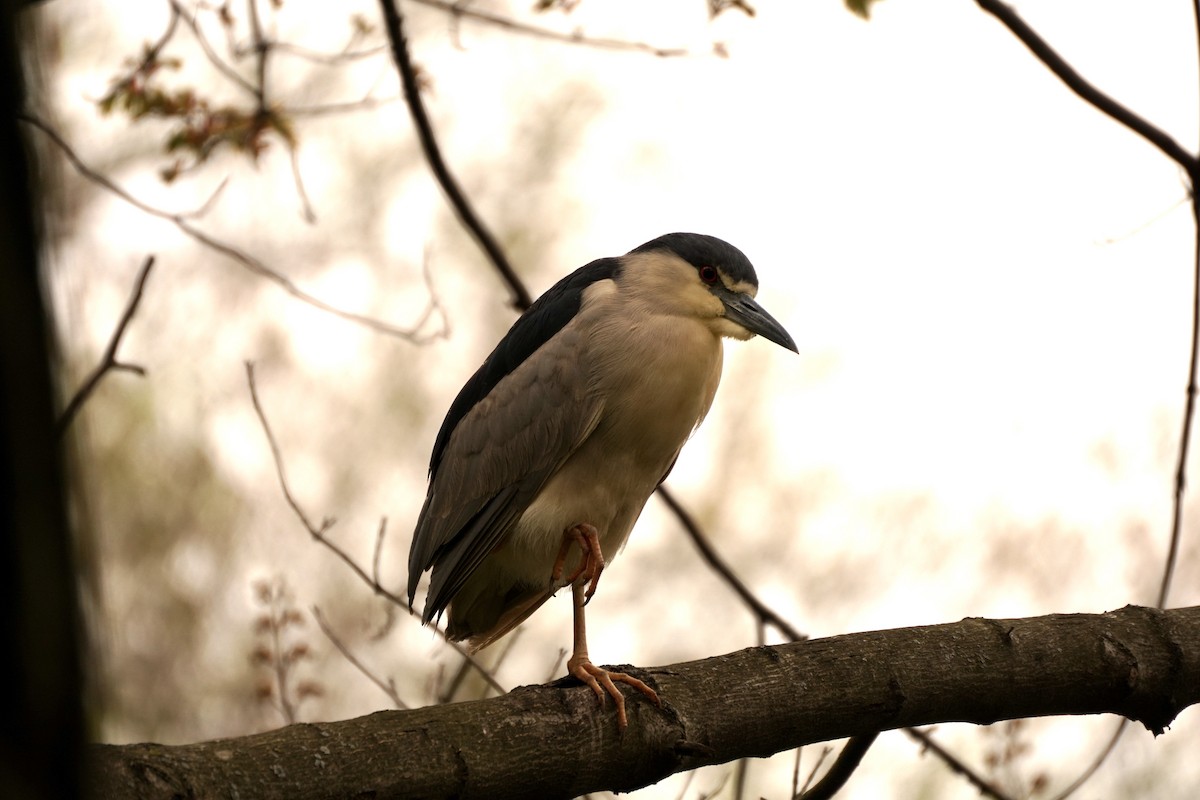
497,459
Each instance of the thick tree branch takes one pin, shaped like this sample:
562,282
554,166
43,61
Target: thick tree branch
553,742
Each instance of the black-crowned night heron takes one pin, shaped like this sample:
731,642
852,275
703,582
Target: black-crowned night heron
563,434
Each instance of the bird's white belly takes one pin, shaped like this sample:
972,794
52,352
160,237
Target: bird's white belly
660,392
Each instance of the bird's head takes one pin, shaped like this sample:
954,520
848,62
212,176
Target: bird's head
705,277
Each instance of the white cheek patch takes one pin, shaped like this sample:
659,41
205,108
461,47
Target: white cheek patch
741,287
723,326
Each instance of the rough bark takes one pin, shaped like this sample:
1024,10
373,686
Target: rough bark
554,741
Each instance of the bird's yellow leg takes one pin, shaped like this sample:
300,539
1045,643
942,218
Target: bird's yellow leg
591,564
601,680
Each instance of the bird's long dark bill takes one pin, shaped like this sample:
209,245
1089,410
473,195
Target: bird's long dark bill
745,311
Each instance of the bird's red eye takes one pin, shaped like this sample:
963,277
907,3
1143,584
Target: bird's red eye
709,275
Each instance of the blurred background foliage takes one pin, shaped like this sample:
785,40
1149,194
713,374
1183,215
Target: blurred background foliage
849,488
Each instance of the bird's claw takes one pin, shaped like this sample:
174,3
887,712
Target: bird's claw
603,681
591,564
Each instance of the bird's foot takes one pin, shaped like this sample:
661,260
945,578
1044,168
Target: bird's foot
605,681
591,564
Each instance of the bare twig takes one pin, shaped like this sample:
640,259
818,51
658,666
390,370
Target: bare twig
1185,435
282,652
927,742
280,667
1084,776
220,64
378,551
368,103
262,48
230,251
1189,406
109,361
856,747
558,662
1191,166
847,761
318,534
687,782
797,794
208,204
388,687
262,51
459,10
761,610
1102,102
447,692
306,206
150,57
394,23
327,59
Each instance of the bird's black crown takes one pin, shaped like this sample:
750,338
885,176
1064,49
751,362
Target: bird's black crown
700,250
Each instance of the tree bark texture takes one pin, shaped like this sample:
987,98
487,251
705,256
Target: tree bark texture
555,741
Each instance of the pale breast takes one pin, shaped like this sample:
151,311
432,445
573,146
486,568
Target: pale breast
655,386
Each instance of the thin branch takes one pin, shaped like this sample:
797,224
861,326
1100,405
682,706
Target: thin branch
446,693
330,109
927,742
740,771
460,10
854,750
152,53
852,753
687,782
1189,163
1096,763
262,51
378,551
318,533
328,522
718,564
394,23
306,206
798,793
213,57
846,763
1185,435
1067,74
327,59
208,204
232,252
109,362
280,666
388,687
1189,406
